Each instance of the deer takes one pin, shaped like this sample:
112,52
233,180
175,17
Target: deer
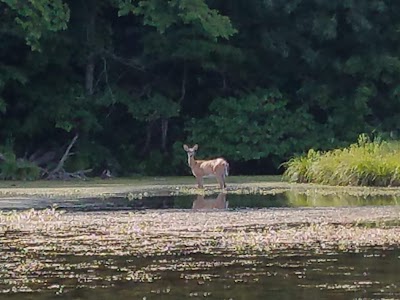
217,167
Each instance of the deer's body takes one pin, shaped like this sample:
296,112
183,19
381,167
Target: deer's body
217,167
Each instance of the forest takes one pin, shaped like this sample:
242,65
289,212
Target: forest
89,85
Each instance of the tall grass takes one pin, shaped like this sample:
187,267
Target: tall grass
365,163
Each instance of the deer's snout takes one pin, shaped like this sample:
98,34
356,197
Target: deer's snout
191,153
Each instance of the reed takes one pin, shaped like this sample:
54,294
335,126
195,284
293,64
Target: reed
365,163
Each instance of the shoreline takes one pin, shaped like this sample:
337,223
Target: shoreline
174,186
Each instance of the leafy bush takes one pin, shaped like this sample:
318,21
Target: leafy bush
155,164
254,126
18,169
366,163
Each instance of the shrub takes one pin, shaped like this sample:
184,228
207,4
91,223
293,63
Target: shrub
366,163
12,168
257,125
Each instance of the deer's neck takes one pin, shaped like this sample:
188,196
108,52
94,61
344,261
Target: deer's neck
191,161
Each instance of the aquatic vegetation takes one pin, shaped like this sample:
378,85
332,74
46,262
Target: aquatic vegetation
173,232
83,249
365,163
177,253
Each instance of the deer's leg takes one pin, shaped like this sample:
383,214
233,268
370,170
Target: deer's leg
199,180
221,181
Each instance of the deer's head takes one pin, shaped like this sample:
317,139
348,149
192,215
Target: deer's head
191,151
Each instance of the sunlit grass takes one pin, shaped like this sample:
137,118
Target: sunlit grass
365,163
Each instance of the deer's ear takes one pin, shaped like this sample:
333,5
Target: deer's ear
185,147
195,147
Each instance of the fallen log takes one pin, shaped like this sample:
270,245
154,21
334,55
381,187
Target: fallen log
64,175
60,164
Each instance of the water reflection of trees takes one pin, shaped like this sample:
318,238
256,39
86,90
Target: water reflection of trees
289,199
285,199
316,199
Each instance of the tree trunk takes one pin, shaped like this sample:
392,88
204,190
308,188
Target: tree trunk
149,131
91,47
60,164
89,78
164,133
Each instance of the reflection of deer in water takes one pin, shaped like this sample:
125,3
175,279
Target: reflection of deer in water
217,203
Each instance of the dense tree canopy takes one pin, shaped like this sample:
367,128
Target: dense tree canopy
254,81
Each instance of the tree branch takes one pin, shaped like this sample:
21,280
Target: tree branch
125,61
64,157
183,87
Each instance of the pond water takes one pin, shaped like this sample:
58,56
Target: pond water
368,273
217,201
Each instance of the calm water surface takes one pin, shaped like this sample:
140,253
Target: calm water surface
370,274
219,201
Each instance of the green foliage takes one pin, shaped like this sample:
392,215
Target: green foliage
34,18
9,74
253,126
179,163
367,163
256,82
152,107
297,169
17,169
163,14
154,164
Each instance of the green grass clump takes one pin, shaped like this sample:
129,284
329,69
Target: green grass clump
365,163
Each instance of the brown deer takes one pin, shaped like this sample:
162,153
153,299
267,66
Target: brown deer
217,167
207,204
